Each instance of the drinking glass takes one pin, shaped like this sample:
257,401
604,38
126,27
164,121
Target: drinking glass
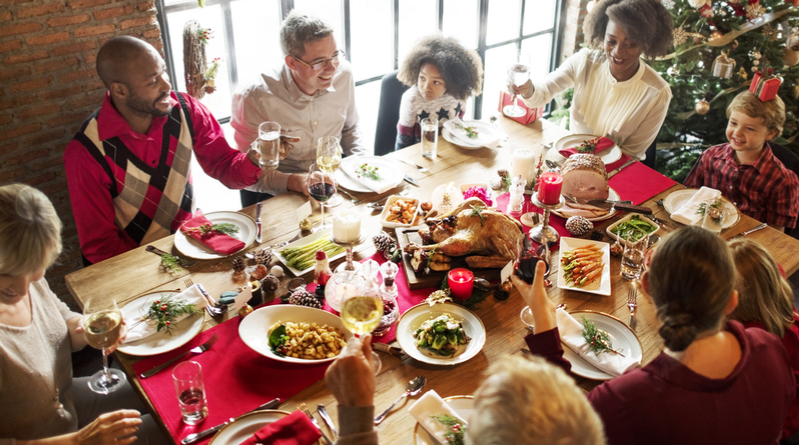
429,128
633,257
518,74
526,270
362,313
321,187
191,392
102,329
268,145
329,158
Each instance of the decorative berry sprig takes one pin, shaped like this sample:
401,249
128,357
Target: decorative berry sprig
597,339
715,212
213,68
472,132
204,34
166,309
588,146
368,171
206,229
454,435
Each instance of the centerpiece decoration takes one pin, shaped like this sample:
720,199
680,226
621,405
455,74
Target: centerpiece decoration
165,310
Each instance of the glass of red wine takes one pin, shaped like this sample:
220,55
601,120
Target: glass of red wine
526,270
321,187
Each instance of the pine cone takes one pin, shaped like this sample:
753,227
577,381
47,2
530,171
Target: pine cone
578,225
238,264
597,235
302,297
264,256
384,243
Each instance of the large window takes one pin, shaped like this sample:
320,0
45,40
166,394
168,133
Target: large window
376,35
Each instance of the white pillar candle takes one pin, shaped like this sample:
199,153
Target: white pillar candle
347,226
522,164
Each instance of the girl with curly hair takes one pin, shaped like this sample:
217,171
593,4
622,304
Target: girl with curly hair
442,74
617,94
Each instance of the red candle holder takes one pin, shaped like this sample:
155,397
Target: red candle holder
461,282
550,188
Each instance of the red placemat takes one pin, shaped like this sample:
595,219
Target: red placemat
237,380
637,182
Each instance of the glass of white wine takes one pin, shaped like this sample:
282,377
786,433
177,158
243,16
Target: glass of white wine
102,328
361,314
329,157
518,74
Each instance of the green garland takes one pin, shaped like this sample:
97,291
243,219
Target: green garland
165,310
170,264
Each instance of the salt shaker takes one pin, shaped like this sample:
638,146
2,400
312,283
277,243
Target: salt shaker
515,195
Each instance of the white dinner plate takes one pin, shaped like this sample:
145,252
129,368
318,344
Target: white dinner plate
415,316
179,335
462,405
623,339
565,210
385,166
488,135
253,329
245,426
600,287
192,248
676,199
608,155
310,239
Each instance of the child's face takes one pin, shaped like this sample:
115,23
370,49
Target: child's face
747,133
430,82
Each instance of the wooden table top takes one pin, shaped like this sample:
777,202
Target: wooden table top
137,272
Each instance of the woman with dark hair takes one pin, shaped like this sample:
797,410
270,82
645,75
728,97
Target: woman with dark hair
617,95
716,382
442,74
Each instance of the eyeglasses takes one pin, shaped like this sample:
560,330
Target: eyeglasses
320,64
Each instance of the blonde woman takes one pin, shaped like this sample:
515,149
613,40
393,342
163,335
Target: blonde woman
40,401
766,302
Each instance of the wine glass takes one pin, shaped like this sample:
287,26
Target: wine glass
362,313
518,74
102,329
329,157
526,270
321,187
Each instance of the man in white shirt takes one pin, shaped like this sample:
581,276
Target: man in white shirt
310,96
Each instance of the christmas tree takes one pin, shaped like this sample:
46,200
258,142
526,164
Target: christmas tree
718,46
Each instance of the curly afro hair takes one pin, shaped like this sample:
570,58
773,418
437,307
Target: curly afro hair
461,68
646,22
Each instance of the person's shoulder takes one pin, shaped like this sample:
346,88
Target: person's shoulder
261,83
654,80
718,151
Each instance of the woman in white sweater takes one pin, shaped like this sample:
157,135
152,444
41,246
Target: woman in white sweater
617,94
40,402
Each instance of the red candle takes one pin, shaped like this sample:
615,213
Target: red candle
460,282
550,188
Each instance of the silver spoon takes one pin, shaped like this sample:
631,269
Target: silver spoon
414,387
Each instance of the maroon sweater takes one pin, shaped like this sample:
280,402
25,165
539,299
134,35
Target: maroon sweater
667,403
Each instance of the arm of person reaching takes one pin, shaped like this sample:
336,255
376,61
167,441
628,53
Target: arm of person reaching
637,143
351,380
108,428
537,94
92,206
545,341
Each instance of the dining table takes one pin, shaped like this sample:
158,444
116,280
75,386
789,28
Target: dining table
129,275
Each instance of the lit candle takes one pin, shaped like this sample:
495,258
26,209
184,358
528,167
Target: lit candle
460,282
347,226
550,188
522,164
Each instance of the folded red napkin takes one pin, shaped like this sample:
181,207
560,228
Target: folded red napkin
600,143
294,429
216,241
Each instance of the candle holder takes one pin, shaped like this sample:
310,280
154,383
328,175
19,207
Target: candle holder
543,233
348,265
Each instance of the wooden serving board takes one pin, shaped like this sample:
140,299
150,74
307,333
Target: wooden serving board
407,235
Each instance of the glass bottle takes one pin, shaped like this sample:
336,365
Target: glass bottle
388,292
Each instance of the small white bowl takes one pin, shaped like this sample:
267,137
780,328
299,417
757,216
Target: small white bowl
386,210
628,218
483,185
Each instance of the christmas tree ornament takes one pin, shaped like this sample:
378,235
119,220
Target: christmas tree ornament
723,66
674,71
678,36
706,11
702,107
591,5
755,11
735,2
765,85
715,35
669,4
698,4
790,56
795,91
743,74
769,33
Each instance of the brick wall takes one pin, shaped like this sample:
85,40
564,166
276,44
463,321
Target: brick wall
49,86
573,27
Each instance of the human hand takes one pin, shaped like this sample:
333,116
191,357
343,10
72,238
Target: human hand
524,90
351,377
286,145
535,295
123,333
116,427
298,182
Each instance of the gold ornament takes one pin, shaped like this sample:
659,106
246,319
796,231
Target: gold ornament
769,33
755,11
702,107
795,91
678,36
743,74
245,310
715,35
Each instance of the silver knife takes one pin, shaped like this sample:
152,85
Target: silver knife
194,437
618,169
258,221
324,414
409,180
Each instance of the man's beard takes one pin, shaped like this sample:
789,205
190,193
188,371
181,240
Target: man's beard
143,108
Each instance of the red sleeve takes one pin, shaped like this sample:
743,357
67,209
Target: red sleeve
90,196
548,345
214,154
696,176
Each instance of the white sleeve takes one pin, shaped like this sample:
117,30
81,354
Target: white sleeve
558,81
636,144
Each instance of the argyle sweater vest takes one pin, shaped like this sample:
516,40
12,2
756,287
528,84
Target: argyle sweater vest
150,202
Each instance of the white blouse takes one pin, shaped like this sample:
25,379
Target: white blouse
630,113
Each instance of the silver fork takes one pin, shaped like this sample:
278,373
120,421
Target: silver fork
302,407
418,167
212,310
196,350
632,301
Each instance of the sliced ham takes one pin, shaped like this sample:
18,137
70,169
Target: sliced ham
585,178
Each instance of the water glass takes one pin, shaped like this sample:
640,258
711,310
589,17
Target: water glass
429,128
268,145
633,258
191,392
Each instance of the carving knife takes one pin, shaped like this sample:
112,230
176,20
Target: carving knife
258,221
194,437
619,205
618,169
